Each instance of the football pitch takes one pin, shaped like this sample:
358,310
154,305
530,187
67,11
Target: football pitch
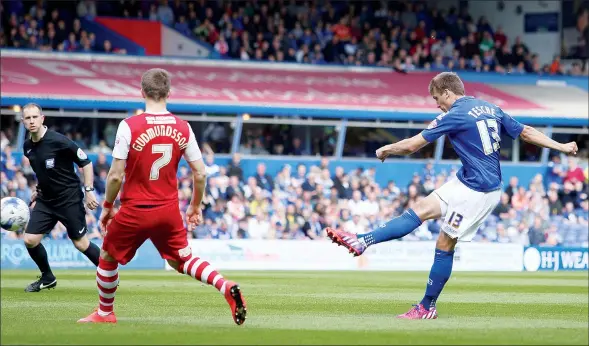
158,307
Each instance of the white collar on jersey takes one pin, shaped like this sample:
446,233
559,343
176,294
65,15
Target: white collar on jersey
157,113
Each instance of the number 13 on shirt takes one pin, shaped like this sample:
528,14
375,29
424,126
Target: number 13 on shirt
489,132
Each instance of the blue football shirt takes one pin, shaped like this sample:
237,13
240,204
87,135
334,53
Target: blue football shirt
474,128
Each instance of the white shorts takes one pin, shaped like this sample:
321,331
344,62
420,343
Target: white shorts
464,209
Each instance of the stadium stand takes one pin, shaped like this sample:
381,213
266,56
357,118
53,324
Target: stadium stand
296,203
403,35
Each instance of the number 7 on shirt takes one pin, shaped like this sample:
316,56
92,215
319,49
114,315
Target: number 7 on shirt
166,151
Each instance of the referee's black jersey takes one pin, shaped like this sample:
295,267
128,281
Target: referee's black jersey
52,158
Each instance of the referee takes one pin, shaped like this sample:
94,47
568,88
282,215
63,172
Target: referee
59,196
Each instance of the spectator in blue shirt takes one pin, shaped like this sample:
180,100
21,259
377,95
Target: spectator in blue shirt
182,26
23,191
556,171
583,212
165,13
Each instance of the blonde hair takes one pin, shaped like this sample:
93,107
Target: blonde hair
446,81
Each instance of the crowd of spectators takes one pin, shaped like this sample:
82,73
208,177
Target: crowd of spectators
399,34
299,202
37,27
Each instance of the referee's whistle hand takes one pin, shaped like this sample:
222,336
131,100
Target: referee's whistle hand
91,202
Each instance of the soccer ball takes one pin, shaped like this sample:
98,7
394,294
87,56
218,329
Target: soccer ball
15,213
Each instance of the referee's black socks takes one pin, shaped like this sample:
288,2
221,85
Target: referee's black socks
93,253
39,255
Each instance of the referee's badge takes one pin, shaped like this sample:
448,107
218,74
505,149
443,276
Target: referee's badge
81,154
50,163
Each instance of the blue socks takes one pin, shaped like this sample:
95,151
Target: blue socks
400,227
438,276
394,229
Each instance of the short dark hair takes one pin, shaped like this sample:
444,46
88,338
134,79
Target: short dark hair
446,80
155,84
31,105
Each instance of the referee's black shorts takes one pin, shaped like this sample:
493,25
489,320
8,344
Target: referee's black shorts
44,218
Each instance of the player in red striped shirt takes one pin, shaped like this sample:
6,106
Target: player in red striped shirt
147,152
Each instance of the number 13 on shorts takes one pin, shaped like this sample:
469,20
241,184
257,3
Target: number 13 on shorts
455,219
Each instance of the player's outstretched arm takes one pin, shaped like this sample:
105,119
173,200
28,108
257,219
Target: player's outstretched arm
120,153
114,180
193,156
199,179
533,136
405,147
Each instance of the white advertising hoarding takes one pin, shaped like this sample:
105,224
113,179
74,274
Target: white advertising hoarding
323,255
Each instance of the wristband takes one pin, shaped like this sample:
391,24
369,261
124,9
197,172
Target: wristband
107,204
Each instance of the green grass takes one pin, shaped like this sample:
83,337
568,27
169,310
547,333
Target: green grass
157,307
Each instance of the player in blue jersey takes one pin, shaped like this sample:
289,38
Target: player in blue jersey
474,128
